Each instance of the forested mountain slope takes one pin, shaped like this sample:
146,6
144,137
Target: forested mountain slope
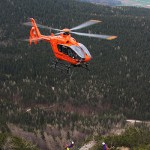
116,87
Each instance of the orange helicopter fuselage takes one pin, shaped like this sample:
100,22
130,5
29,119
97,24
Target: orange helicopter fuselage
65,40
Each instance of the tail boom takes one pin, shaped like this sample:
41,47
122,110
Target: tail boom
34,33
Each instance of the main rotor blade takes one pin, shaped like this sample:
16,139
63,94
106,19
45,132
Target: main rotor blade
58,33
108,37
85,24
33,39
40,26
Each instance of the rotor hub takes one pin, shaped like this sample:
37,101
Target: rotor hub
66,31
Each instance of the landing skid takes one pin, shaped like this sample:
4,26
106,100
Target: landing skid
63,67
66,68
85,66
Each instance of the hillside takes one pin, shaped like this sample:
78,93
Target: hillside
104,2
133,3
133,138
116,88
9,142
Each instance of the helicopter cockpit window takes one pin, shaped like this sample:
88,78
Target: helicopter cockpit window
78,51
85,49
70,51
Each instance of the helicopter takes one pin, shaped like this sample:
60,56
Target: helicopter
64,46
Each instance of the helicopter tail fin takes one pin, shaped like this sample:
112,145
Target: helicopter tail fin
35,34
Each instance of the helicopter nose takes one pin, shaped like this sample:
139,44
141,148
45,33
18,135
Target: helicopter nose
87,58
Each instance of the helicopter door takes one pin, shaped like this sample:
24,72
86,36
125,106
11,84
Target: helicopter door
63,49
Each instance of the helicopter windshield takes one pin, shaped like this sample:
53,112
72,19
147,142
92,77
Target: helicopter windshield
78,51
72,51
85,49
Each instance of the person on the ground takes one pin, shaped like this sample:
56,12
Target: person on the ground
105,147
69,146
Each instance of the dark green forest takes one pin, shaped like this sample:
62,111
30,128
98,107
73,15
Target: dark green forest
116,87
